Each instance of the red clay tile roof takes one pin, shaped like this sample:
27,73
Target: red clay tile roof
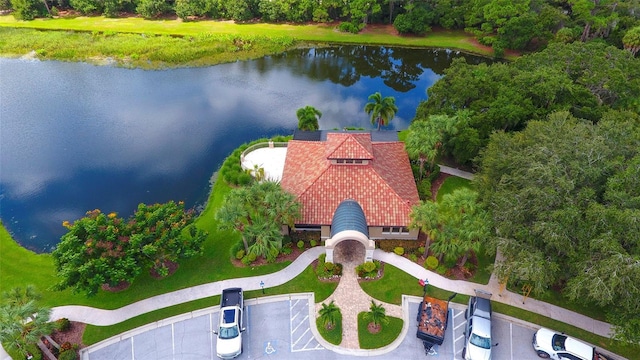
355,146
384,187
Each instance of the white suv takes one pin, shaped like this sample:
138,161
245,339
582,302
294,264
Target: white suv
478,328
549,344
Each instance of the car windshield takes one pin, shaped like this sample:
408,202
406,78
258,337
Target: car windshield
558,342
481,342
228,332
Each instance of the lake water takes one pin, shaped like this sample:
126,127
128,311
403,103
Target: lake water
76,137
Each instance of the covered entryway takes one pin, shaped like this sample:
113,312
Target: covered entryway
349,223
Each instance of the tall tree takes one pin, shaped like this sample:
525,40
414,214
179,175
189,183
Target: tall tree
95,251
23,321
458,223
382,110
563,193
257,212
631,40
165,233
308,118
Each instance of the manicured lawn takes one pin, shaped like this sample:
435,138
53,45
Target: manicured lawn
386,336
333,336
450,184
319,33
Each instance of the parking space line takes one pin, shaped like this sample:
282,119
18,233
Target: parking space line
305,345
301,322
301,336
211,334
173,342
133,353
511,338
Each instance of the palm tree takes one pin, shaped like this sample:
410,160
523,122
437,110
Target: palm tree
308,118
425,217
376,316
382,110
329,315
22,321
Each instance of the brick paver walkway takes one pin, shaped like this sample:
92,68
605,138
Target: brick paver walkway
349,296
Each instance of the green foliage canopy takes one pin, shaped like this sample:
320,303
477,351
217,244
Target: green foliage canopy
563,197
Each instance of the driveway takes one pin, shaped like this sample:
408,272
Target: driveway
280,327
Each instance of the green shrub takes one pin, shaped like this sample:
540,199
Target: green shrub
27,9
245,260
68,355
252,257
441,269
300,244
350,27
240,254
328,266
399,250
435,172
369,266
413,257
313,243
286,250
431,262
239,245
424,189
420,250
337,269
322,258
63,324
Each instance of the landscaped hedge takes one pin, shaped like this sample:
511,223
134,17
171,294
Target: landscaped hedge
391,245
231,170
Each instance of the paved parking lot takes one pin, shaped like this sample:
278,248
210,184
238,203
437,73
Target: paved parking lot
282,329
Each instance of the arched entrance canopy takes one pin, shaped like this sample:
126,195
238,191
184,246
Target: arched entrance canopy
349,223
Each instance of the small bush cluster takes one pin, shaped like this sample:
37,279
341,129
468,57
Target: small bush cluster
63,324
240,254
248,259
313,243
368,270
350,27
391,245
69,354
300,244
431,263
327,270
231,170
286,250
399,250
424,189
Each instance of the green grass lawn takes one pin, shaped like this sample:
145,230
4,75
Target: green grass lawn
333,336
386,336
450,184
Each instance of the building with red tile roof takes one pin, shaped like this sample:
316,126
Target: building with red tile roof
349,166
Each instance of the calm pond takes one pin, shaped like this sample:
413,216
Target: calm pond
76,137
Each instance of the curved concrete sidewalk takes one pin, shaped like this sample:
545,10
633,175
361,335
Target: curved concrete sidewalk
109,317
102,317
456,172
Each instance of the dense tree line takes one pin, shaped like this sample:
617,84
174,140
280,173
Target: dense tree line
564,195
503,24
586,79
556,138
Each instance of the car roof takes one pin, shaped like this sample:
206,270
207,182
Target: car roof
544,337
482,327
483,307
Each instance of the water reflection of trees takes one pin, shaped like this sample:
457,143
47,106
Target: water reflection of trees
399,68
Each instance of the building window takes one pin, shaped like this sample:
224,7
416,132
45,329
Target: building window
395,230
